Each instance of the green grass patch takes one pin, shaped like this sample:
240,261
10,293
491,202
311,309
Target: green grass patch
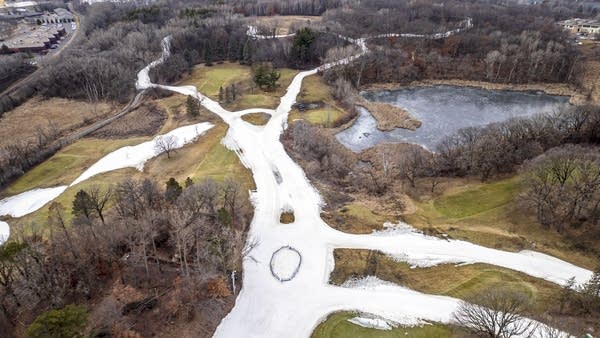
66,165
324,117
314,89
446,279
470,201
338,326
208,80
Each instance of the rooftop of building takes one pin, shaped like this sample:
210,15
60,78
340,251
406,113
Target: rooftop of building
581,22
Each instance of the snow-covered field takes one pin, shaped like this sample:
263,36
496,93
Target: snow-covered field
269,307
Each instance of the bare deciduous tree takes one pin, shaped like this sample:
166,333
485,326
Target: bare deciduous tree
166,144
494,313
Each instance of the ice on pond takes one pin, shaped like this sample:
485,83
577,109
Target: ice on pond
444,110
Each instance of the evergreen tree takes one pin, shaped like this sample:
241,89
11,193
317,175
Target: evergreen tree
221,94
301,47
233,94
266,78
207,55
69,322
188,182
173,190
82,204
192,107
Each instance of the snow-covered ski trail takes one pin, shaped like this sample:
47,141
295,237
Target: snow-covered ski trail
270,304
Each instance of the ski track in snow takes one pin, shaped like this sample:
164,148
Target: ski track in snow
268,307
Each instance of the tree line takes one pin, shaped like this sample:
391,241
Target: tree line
135,230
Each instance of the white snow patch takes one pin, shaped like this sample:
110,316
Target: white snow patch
285,263
371,323
4,232
136,156
391,229
29,201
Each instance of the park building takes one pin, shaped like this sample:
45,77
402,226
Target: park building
34,39
60,15
588,27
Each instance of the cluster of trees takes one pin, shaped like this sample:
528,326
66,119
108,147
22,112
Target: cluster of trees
511,44
499,148
323,156
12,68
147,234
266,77
230,93
563,189
21,155
297,7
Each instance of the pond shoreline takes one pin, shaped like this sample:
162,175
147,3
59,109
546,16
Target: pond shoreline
560,89
443,110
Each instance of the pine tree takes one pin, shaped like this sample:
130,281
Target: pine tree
221,94
173,190
233,94
188,182
192,107
69,321
82,204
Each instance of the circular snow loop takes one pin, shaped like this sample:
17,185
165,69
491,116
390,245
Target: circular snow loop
285,263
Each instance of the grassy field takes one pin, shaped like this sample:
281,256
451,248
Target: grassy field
37,113
355,218
208,80
315,90
283,23
338,326
66,165
490,214
446,279
258,119
468,200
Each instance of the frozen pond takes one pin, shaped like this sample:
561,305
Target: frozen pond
444,110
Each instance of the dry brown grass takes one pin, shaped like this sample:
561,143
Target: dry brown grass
258,119
146,120
390,117
284,23
68,115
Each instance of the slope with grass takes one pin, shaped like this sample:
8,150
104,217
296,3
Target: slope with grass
316,91
337,325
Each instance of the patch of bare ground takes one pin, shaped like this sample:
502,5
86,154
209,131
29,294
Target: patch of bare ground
390,117
55,115
286,24
257,119
146,120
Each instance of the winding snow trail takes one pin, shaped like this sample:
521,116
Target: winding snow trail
268,307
